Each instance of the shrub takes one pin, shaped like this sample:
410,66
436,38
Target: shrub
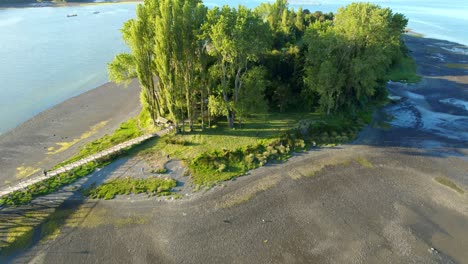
221,167
160,170
211,167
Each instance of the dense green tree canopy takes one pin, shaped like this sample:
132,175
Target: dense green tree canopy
195,63
347,59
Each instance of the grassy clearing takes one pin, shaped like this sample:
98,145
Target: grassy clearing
404,71
450,184
220,154
150,186
258,128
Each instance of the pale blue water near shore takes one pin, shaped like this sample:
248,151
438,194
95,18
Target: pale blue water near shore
46,58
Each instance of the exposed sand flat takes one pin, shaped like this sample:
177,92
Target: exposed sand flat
34,145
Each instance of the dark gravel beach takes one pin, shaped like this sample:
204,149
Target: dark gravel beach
373,201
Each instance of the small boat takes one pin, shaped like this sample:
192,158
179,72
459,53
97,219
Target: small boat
72,15
96,12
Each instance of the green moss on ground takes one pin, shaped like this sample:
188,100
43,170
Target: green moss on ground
364,162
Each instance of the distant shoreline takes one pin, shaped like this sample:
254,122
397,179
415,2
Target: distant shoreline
34,4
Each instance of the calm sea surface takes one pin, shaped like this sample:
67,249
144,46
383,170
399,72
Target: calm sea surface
46,58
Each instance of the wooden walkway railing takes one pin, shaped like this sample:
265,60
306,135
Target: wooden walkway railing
39,178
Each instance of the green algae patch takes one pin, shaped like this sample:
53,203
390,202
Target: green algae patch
364,162
128,221
25,171
62,146
244,195
450,184
456,65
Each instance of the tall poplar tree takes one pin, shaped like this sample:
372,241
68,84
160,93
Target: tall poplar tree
232,33
138,35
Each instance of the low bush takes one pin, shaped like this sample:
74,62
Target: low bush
338,129
160,170
215,166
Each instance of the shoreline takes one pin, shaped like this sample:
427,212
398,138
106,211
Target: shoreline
302,199
57,133
66,124
34,4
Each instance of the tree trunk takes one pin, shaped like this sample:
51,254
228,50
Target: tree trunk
230,120
202,109
189,109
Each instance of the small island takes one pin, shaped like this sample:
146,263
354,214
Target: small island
255,135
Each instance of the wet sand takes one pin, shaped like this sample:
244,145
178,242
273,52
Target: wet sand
81,119
373,201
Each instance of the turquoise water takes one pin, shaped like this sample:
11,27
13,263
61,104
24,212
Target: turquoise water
438,19
46,58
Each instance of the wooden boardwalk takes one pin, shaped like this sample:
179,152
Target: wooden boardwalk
4,191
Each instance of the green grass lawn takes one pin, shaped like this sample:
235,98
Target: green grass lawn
220,153
258,128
